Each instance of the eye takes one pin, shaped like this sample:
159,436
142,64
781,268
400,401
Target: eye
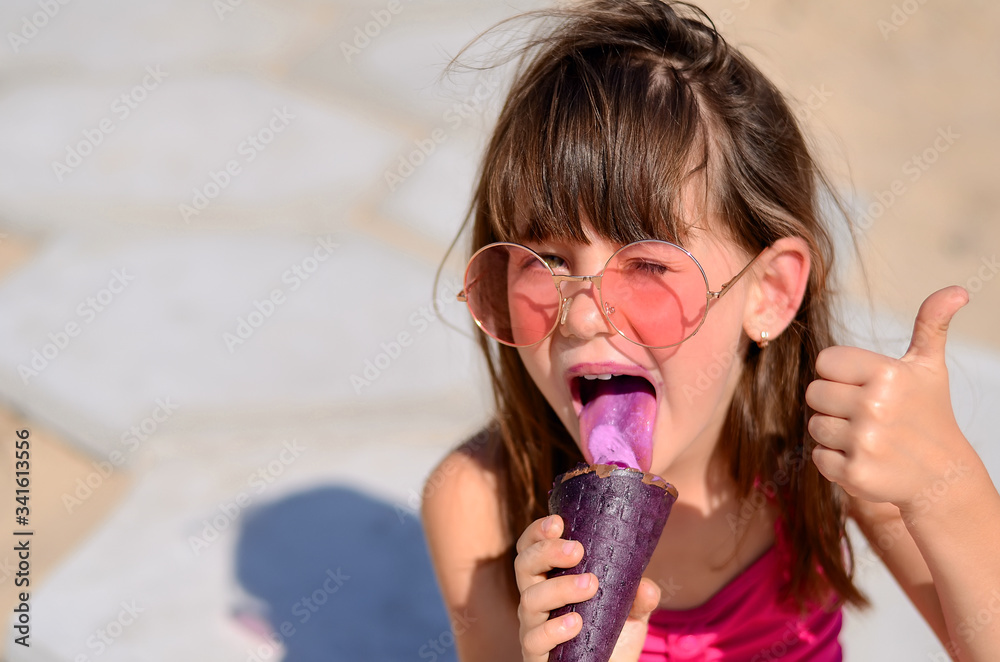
555,262
647,267
528,262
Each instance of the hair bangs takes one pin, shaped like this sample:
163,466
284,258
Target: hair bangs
605,138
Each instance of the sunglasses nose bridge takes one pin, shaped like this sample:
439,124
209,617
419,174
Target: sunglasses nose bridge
564,302
560,279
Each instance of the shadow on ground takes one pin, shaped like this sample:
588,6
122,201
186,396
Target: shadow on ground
343,576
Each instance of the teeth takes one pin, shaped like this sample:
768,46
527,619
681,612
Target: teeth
606,376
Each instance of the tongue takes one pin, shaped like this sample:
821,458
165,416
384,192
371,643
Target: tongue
616,424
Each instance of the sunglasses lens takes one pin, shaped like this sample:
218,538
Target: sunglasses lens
511,294
655,293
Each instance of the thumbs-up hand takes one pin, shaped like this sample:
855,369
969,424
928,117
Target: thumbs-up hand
885,428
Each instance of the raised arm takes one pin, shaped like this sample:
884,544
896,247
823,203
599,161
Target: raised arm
958,536
887,434
891,542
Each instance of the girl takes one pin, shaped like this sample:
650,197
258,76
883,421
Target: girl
637,145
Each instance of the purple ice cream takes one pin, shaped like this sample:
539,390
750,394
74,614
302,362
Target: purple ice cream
615,509
617,514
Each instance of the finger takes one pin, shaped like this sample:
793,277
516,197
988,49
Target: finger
847,365
538,641
833,398
830,431
831,463
930,329
540,529
533,564
647,599
540,599
633,635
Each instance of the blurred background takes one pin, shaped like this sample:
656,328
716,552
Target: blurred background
219,226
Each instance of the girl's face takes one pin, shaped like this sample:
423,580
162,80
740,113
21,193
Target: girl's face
693,382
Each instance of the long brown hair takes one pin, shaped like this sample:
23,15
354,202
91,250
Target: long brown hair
614,105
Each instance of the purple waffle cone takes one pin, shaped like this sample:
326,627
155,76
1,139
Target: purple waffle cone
617,514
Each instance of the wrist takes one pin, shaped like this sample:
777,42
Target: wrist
962,488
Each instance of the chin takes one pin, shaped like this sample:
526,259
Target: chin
669,457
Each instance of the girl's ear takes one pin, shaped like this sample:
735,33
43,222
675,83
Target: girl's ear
776,294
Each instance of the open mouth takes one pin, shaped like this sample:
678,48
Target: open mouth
617,413
590,387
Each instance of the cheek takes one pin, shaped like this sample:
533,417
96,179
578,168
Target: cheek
714,348
537,362
698,374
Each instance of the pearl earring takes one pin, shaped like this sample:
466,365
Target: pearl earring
764,341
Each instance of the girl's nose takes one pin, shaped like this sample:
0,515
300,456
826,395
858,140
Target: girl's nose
581,315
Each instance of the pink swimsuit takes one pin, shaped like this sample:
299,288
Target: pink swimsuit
746,621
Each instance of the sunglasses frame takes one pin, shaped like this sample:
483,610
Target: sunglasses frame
563,311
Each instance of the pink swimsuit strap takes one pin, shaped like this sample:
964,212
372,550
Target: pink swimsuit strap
746,620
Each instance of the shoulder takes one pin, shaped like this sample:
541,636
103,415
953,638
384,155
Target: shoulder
469,545
461,508
471,464
464,483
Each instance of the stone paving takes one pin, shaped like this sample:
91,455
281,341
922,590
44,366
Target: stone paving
234,211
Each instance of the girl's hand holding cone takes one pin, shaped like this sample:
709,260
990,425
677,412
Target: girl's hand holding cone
540,550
